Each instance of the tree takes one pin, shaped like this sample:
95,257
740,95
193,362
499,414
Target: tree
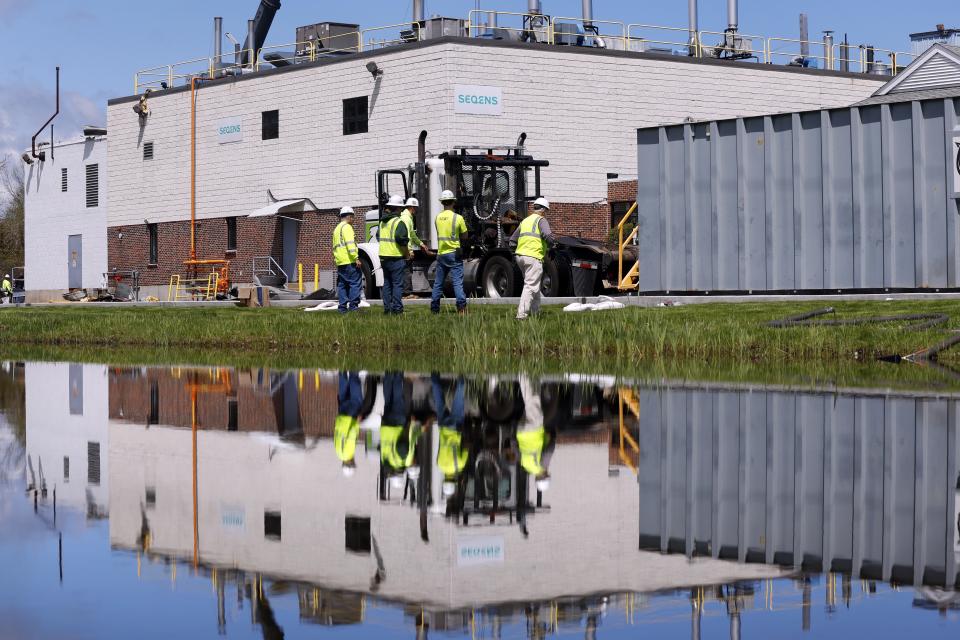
12,195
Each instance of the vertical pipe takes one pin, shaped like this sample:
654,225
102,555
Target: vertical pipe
418,11
492,19
828,61
587,14
845,54
804,36
533,6
217,42
732,18
251,42
193,168
694,25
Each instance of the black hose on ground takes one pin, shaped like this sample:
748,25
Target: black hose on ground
921,322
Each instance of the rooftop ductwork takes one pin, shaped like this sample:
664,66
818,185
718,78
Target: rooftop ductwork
257,33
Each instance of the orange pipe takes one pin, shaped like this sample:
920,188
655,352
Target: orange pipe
193,167
196,529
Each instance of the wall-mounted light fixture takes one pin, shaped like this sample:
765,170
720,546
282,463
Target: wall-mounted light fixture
374,69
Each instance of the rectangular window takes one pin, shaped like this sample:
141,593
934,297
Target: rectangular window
63,180
355,115
150,497
93,185
66,469
231,234
154,417
357,534
617,211
93,463
152,233
233,415
148,151
271,525
270,125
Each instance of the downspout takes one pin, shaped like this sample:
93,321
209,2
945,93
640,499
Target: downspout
33,142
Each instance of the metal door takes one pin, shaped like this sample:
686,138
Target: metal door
289,261
75,262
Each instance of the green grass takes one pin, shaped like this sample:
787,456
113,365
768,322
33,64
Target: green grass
704,342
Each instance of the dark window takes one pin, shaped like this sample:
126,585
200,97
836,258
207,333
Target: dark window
271,525
154,417
617,211
232,415
357,534
93,185
63,180
66,469
355,115
271,125
148,151
151,497
231,234
152,232
93,463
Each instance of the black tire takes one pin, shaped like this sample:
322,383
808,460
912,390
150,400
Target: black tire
551,285
499,278
369,284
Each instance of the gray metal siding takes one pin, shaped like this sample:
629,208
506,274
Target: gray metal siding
838,481
854,198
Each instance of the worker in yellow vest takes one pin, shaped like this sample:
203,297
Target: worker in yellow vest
534,442
6,289
347,259
532,238
398,437
451,234
452,455
394,238
408,215
346,426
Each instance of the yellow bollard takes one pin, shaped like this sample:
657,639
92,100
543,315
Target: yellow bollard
300,276
316,276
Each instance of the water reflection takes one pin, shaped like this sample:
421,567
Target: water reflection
503,504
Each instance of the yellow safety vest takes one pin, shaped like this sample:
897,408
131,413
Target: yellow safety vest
451,458
449,226
531,445
389,437
388,244
345,431
344,244
6,286
531,242
407,217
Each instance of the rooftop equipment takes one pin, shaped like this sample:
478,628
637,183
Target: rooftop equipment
694,26
418,14
845,54
258,29
217,42
330,37
828,58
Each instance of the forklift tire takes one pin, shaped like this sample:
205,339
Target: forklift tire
369,284
500,278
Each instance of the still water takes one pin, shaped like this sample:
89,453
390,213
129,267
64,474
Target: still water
185,502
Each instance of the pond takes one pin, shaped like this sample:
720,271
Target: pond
177,501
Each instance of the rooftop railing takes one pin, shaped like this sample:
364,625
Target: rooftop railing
530,27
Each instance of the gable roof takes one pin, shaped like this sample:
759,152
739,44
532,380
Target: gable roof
935,68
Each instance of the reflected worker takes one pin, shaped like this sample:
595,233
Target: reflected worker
452,456
397,433
533,441
346,426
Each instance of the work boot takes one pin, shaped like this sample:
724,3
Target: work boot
462,312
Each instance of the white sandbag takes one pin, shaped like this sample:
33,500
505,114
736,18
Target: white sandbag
326,305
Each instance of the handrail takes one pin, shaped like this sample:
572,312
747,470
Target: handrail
545,27
796,54
622,36
621,243
362,43
743,36
655,27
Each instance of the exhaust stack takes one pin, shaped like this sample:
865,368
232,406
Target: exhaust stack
732,18
533,6
694,26
845,55
418,11
804,37
587,14
217,42
258,28
828,58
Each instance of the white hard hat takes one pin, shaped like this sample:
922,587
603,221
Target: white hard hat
348,471
447,195
413,202
413,472
346,211
543,484
396,482
542,202
449,489
395,201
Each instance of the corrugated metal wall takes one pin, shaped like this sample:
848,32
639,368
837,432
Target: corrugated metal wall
853,198
831,482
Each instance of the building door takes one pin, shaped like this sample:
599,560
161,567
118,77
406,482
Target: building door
75,262
289,261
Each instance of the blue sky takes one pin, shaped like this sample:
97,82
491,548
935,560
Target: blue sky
100,44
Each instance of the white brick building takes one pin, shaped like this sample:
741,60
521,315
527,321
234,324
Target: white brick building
580,108
65,219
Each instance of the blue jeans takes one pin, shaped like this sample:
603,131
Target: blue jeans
349,394
392,292
348,287
448,415
448,263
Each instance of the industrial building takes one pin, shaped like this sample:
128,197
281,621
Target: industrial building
316,125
